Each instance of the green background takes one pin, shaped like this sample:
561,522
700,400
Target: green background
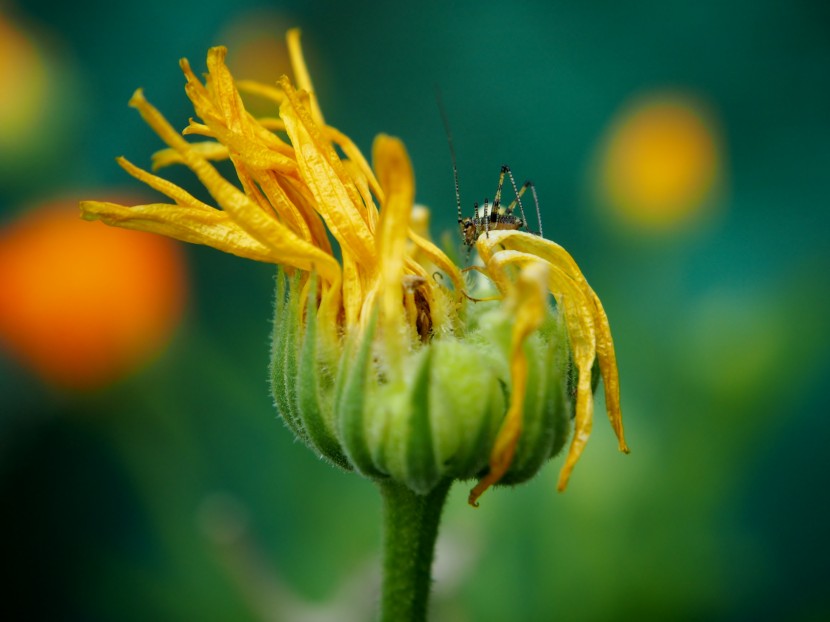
177,494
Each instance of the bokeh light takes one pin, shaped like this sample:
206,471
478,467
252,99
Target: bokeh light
660,162
23,78
83,304
40,102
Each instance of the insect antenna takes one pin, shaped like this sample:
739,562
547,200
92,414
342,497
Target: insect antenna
446,123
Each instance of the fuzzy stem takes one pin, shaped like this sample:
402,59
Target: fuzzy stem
410,527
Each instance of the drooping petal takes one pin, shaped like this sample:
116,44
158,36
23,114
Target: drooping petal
606,357
558,256
581,332
526,299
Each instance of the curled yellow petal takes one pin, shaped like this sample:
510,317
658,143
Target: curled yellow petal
582,334
554,253
441,261
226,119
559,257
526,299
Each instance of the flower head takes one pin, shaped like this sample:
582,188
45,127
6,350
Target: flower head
380,363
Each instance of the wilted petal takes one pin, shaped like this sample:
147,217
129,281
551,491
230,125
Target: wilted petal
189,224
395,176
526,299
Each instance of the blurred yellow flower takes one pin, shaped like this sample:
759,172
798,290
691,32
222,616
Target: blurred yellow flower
25,78
379,363
659,162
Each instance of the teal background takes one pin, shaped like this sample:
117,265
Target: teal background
177,494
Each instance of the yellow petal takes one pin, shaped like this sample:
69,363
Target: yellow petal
179,195
362,185
261,184
558,256
579,319
440,259
224,114
262,90
198,226
299,195
354,154
225,96
209,150
301,75
320,168
285,247
527,301
352,291
395,175
198,129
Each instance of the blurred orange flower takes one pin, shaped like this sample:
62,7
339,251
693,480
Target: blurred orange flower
84,305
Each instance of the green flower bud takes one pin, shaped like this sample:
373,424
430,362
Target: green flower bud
440,418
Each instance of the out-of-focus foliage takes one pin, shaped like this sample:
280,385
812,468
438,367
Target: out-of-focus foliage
174,493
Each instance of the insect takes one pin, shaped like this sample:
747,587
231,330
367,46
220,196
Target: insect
497,216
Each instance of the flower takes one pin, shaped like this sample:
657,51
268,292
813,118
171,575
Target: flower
380,363
661,163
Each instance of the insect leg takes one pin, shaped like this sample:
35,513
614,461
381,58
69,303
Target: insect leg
486,220
518,195
497,200
536,201
525,186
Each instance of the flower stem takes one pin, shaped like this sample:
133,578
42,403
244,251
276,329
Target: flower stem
410,527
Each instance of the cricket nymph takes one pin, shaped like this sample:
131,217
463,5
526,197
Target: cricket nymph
498,217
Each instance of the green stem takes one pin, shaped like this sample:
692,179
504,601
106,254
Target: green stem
410,526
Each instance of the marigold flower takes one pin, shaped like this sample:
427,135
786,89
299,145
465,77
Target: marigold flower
380,362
